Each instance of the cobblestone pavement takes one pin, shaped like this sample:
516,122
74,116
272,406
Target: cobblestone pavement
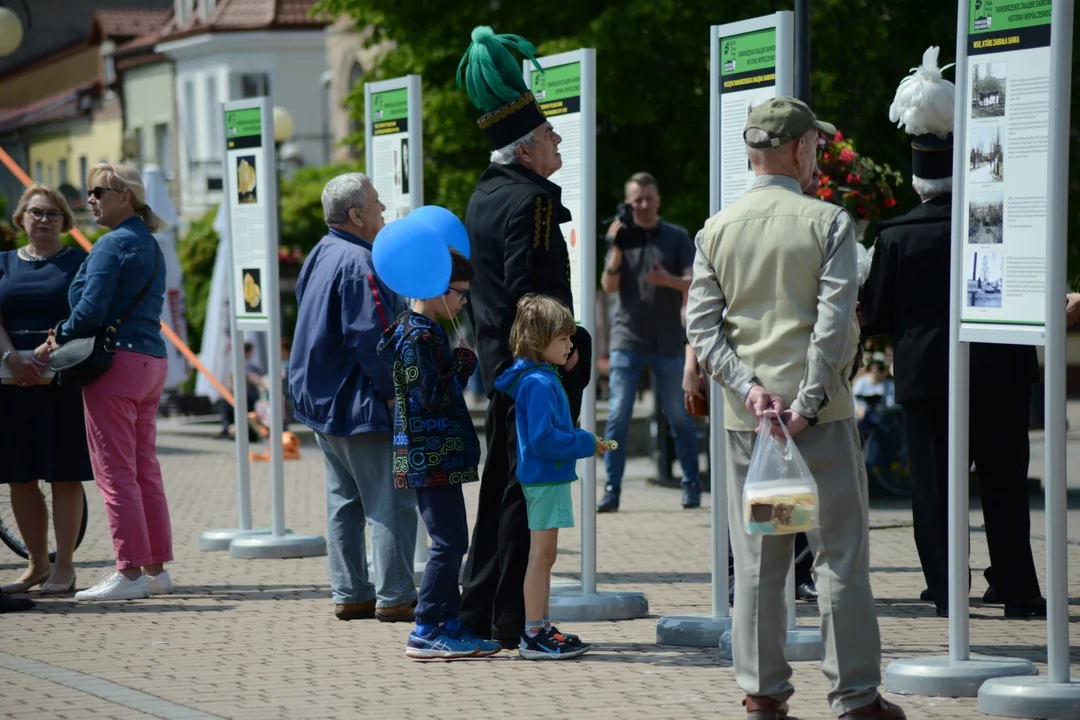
257,639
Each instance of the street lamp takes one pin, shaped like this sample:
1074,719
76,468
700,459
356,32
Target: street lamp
283,125
11,32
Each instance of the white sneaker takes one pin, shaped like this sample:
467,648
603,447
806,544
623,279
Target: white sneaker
160,584
115,586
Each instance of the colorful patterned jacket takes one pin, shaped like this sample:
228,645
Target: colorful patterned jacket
435,443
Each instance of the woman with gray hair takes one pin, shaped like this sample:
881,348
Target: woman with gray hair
123,278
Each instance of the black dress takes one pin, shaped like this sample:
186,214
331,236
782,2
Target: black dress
42,428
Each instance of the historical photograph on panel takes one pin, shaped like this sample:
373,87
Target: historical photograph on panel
986,218
986,157
988,90
985,271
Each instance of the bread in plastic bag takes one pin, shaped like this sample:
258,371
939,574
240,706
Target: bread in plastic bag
780,496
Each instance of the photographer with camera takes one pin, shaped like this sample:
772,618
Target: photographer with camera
648,267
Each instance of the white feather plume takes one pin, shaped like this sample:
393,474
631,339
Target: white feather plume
924,101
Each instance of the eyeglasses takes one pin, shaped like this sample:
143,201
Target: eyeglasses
97,192
49,215
464,294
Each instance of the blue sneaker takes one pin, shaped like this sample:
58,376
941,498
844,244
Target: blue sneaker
546,647
484,648
439,645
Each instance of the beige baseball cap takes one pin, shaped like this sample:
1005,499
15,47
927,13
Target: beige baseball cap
784,119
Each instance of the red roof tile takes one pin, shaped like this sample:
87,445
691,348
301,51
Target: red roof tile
249,15
131,23
57,106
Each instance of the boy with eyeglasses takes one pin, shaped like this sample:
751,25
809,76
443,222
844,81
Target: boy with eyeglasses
436,450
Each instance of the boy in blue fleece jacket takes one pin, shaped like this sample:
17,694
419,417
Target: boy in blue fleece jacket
548,447
436,451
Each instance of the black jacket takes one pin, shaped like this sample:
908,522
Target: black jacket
517,248
907,296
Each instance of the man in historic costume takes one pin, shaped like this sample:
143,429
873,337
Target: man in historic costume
513,221
907,296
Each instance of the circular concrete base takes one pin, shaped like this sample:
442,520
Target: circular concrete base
1030,697
691,630
219,540
578,607
274,546
945,677
803,643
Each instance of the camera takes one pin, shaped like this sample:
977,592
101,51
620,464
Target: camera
624,213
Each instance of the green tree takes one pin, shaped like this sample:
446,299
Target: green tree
652,83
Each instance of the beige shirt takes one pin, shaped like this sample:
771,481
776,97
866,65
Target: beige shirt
812,309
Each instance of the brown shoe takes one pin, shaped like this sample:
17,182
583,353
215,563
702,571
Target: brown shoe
880,708
398,613
763,707
355,611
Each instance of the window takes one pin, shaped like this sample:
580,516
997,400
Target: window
163,149
83,168
39,172
213,105
62,171
254,85
51,182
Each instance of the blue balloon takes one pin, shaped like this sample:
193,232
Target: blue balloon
412,259
446,224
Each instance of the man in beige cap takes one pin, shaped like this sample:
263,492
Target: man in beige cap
771,316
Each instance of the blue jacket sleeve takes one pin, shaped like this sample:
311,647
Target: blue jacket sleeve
434,378
364,317
101,273
545,439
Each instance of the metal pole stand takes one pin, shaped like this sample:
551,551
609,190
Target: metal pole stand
219,540
960,673
1058,694
705,630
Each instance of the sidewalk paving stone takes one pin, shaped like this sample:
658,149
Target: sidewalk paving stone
250,638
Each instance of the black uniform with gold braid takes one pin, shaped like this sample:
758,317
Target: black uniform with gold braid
513,221
907,296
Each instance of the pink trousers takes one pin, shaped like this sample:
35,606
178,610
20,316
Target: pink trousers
121,429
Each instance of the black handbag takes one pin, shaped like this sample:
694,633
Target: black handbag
81,361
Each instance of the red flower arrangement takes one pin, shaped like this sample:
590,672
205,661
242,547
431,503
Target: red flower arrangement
855,181
290,255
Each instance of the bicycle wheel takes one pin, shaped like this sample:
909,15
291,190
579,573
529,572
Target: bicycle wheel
9,529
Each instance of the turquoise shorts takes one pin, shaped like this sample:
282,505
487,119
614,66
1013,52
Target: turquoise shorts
550,506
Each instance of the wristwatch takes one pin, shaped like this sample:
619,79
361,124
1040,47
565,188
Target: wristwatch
616,271
4,357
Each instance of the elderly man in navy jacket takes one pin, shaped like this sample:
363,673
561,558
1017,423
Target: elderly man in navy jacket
343,391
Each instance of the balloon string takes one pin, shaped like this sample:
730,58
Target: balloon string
453,320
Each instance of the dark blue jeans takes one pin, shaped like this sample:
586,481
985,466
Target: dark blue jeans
443,511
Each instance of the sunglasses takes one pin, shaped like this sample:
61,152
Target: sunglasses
49,215
464,294
97,192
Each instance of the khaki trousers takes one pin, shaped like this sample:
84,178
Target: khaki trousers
841,548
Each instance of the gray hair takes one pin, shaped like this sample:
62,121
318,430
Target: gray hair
343,193
928,188
757,135
508,155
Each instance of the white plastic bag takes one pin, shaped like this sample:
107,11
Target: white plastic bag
780,496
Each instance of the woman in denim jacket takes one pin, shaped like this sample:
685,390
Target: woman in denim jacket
121,406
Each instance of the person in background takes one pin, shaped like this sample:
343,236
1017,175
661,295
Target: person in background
121,406
42,427
344,391
875,383
907,296
648,269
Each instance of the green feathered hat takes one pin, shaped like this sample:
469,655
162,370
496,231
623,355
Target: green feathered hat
496,86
